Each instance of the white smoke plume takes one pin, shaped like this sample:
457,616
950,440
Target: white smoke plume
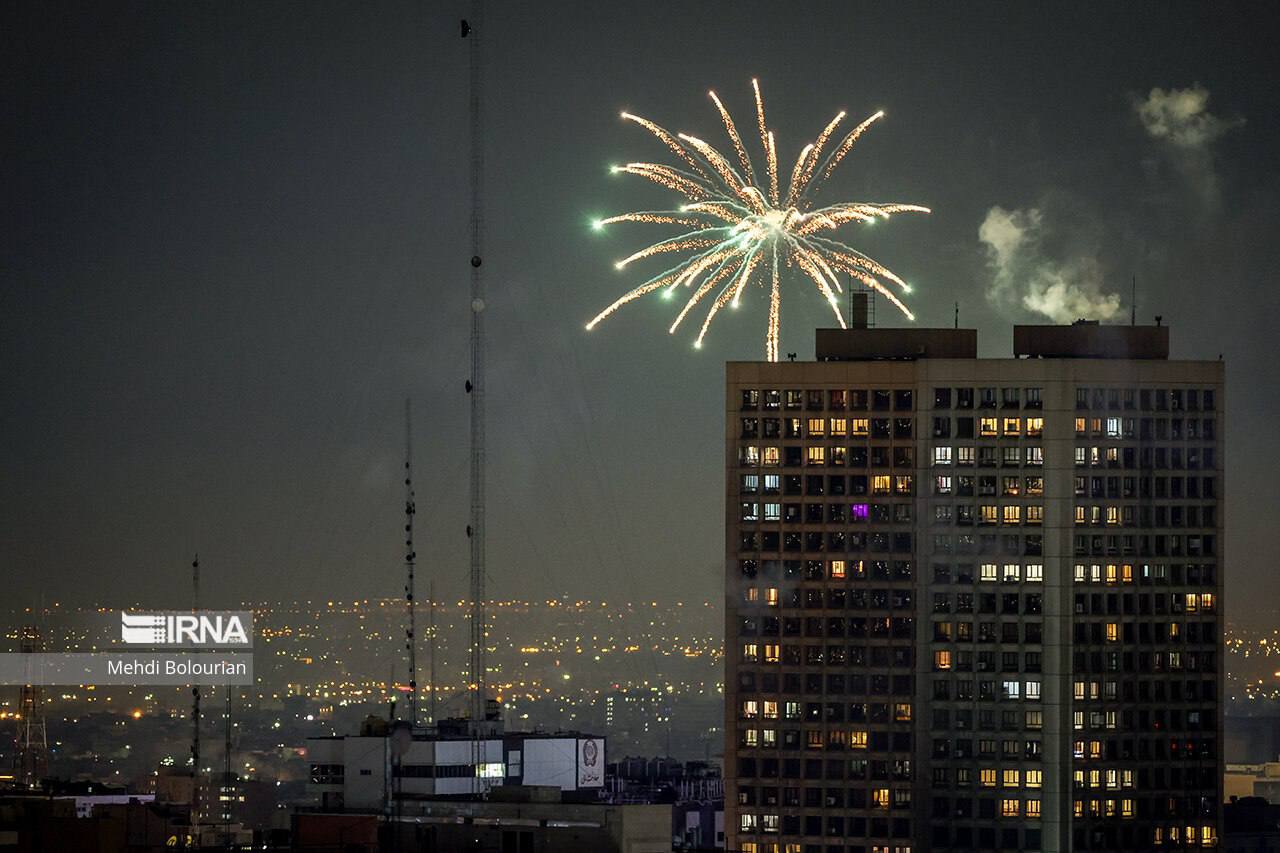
1025,278
1180,123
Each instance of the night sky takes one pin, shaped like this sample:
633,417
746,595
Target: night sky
234,240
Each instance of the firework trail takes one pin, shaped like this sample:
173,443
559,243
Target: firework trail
742,225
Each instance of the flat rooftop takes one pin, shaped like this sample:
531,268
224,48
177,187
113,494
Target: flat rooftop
1082,339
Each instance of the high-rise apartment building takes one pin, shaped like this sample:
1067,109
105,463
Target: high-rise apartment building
974,604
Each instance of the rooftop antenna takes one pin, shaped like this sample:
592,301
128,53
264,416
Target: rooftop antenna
33,739
410,508
195,713
228,791
473,29
957,315
431,638
1133,302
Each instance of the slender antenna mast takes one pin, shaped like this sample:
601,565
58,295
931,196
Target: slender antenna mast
472,29
228,791
1133,302
957,315
195,713
410,641
431,633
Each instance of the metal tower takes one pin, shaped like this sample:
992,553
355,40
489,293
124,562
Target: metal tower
472,29
227,791
32,740
195,713
410,634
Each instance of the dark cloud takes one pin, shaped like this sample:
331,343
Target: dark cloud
235,240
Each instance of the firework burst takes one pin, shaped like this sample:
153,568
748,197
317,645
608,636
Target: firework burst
742,225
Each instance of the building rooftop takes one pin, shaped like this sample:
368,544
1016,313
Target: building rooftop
1081,339
1090,339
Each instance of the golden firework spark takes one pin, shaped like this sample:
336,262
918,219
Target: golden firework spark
741,224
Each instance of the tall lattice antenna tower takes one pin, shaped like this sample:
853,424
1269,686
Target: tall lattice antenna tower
195,711
473,29
411,606
32,763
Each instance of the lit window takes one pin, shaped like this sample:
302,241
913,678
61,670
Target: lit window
772,512
942,456
1012,573
942,485
988,572
839,426
1113,632
1011,778
1010,689
771,596
773,456
1033,807
816,455
858,739
750,737
987,514
1013,514
1035,572
750,652
902,712
750,511
880,484
1035,455
770,709
1009,807
1035,514
749,455
987,778
987,427
880,798
750,709
772,652
837,568
1034,778
942,659
1035,426
859,427
817,426
1012,426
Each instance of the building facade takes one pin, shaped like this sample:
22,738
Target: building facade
974,604
367,772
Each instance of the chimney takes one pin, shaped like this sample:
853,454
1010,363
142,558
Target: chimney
859,309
